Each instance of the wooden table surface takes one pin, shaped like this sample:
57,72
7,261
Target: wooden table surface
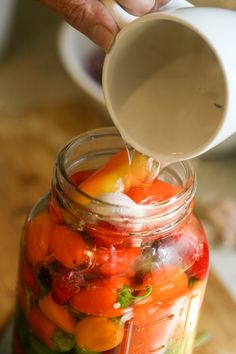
40,109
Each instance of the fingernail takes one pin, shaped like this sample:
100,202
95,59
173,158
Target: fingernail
103,37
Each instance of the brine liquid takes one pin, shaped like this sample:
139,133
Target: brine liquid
154,166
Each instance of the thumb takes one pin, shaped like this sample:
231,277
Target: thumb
138,7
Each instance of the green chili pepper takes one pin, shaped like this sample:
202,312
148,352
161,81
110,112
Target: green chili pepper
125,297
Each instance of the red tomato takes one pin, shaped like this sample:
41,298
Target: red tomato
117,261
156,192
196,234
65,284
106,235
99,297
199,269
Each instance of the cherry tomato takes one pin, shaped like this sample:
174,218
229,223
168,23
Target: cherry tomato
37,238
57,314
67,246
65,284
97,334
99,297
42,327
156,192
199,269
117,261
168,284
105,234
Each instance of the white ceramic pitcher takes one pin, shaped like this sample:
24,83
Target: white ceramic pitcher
169,80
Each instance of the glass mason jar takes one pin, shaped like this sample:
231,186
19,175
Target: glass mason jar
97,277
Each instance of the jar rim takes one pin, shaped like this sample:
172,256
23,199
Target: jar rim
184,195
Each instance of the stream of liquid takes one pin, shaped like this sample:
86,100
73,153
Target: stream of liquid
155,167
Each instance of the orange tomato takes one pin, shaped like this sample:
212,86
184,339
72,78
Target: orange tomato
37,238
57,314
99,297
98,334
67,246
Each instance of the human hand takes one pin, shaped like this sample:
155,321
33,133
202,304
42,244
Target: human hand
93,19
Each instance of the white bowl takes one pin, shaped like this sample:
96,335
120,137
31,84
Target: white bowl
75,51
6,20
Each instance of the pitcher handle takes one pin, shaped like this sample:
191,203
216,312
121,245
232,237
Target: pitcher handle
122,17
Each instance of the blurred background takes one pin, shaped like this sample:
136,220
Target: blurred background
50,92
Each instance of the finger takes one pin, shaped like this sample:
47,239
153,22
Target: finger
159,3
89,17
137,7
